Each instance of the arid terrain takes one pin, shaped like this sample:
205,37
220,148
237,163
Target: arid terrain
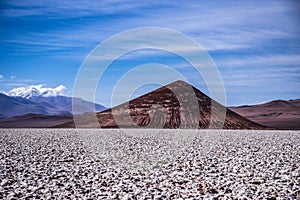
279,114
149,164
34,121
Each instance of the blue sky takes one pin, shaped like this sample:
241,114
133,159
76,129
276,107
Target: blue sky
255,44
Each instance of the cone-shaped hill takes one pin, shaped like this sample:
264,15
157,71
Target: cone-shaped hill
176,105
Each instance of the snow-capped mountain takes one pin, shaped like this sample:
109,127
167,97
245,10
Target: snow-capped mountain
28,94
31,91
40,100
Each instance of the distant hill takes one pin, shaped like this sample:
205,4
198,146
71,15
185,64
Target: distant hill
279,114
64,104
170,113
12,106
54,105
34,121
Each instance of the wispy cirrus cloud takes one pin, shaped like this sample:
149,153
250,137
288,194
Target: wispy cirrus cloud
13,82
68,8
261,70
290,60
239,25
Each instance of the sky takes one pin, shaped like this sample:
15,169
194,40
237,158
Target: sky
254,44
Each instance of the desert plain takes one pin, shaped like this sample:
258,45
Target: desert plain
149,164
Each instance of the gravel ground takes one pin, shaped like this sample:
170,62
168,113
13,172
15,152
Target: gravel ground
149,164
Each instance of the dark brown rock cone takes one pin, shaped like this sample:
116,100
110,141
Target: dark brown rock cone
177,105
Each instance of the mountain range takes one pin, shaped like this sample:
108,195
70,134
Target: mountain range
35,103
160,108
279,114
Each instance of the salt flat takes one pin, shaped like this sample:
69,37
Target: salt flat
147,163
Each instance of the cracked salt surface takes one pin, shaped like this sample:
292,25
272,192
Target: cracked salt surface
145,163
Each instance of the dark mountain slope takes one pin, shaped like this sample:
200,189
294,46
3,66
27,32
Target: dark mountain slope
162,108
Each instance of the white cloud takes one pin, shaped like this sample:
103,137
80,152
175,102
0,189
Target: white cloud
36,90
13,77
1,76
